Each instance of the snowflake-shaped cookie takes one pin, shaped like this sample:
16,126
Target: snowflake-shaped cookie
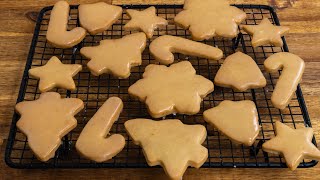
174,89
208,18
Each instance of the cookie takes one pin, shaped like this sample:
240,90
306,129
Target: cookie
169,143
163,47
174,89
94,142
116,56
238,120
209,18
240,72
293,144
46,120
57,33
98,17
265,33
55,74
146,21
292,69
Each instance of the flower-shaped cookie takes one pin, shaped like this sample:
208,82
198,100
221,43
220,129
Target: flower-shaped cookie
208,18
174,89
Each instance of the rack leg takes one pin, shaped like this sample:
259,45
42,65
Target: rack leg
236,41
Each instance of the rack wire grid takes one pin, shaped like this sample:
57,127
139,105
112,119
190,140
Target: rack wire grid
94,91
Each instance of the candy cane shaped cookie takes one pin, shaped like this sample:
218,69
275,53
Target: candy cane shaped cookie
163,47
292,69
57,33
93,142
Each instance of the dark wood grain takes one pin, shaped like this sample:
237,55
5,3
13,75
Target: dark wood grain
16,28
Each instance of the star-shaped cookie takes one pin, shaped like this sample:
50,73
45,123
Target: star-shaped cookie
55,74
169,143
265,33
293,144
146,21
236,119
209,18
116,56
240,72
174,89
46,120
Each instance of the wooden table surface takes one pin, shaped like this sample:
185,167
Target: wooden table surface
16,30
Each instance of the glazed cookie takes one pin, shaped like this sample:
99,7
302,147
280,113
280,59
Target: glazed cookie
98,17
46,120
116,56
292,69
174,89
265,33
163,47
169,143
209,18
236,119
94,142
240,72
293,144
57,33
146,21
55,74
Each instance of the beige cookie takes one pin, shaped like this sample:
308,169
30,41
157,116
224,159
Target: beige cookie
292,69
169,143
116,56
240,72
57,33
174,89
209,18
55,74
98,17
46,120
265,33
236,119
146,21
94,142
293,144
163,47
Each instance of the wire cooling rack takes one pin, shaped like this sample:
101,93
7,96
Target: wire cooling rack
94,91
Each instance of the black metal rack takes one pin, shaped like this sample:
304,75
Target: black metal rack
95,90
